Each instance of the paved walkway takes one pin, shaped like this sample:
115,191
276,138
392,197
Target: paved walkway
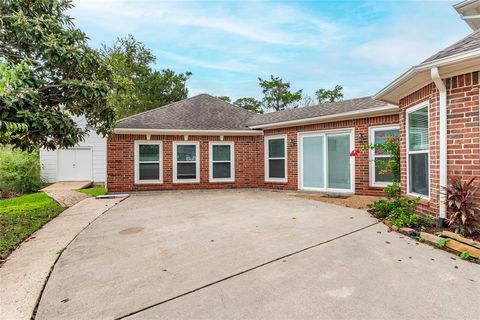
66,198
68,185
24,273
252,255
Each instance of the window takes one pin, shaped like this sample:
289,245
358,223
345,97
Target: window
418,151
148,162
276,159
221,158
380,135
186,166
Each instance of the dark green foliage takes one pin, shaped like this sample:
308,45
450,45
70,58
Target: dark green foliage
249,103
225,98
19,173
138,87
277,94
392,190
326,96
460,195
400,211
20,217
391,146
49,73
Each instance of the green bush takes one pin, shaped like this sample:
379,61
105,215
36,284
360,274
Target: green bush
392,190
400,211
19,173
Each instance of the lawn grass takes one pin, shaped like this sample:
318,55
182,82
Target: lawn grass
21,216
96,191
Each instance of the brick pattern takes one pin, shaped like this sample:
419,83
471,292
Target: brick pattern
463,129
249,159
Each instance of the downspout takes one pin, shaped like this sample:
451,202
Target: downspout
442,216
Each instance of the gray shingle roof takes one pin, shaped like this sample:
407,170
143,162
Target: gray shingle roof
202,112
470,42
205,112
317,111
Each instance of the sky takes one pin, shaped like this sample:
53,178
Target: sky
227,45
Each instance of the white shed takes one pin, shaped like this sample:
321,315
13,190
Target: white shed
85,162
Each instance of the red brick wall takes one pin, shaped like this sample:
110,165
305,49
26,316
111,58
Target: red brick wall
249,159
362,186
463,128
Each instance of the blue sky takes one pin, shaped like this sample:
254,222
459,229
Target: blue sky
227,45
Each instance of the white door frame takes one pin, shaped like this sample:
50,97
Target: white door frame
75,148
325,134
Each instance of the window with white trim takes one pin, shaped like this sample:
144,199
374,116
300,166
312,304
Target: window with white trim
276,159
221,161
380,135
418,151
148,162
186,164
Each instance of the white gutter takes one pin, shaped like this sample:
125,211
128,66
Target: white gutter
426,66
443,142
386,110
188,132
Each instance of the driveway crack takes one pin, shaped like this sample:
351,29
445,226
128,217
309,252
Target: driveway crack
246,271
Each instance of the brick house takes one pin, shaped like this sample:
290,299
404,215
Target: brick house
439,118
205,143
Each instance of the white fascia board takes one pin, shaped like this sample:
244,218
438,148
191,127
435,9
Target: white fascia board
387,110
460,57
188,132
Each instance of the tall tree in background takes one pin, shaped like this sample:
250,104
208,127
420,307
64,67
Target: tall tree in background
277,94
326,96
139,87
225,98
47,74
249,103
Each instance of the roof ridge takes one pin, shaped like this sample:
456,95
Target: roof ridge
164,106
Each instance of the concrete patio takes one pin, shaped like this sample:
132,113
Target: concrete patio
252,254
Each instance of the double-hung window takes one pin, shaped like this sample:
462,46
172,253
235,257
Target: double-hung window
418,151
186,164
380,135
148,162
221,164
276,159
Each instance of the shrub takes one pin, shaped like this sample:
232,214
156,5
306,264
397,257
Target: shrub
381,208
459,199
19,173
392,190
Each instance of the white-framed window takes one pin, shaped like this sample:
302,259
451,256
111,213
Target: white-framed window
221,161
418,151
276,158
186,163
380,134
148,162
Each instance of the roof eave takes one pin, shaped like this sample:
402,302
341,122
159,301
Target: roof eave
386,110
188,132
391,92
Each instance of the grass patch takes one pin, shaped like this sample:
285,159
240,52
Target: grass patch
22,216
97,191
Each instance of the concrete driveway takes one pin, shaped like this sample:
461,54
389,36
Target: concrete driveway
251,255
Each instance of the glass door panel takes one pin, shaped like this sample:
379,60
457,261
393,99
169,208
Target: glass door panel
313,162
338,161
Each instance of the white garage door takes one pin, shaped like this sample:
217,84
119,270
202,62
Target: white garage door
75,164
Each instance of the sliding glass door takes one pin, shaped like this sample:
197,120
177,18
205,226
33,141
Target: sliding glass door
325,162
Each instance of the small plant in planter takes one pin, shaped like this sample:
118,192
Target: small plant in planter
459,200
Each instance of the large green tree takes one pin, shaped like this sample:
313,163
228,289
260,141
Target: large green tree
249,103
326,95
138,86
49,74
277,94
